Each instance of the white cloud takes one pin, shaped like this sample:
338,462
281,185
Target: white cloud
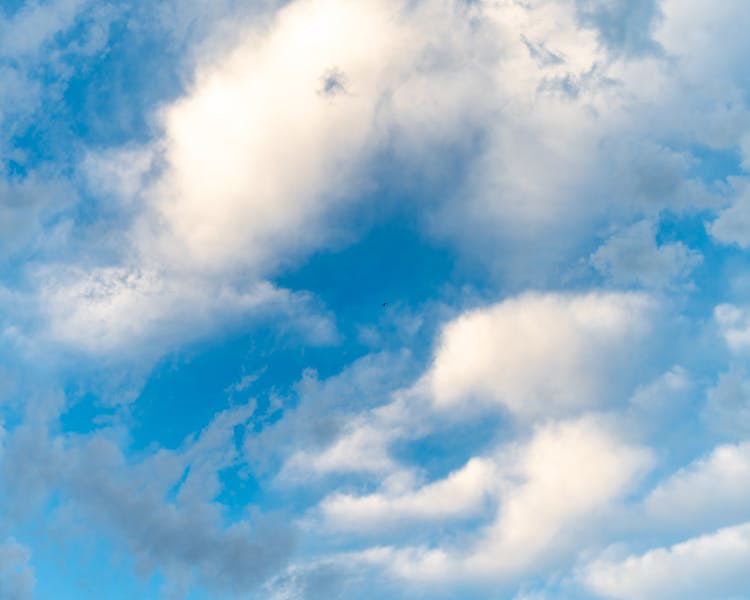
710,492
574,142
498,355
540,354
361,444
145,311
333,418
710,567
558,130
323,87
461,494
708,40
271,138
734,325
256,153
551,490
363,449
317,92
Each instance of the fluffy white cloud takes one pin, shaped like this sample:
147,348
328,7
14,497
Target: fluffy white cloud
711,492
363,442
461,494
272,135
711,566
276,134
540,354
268,138
559,132
126,310
537,355
580,140
363,449
551,490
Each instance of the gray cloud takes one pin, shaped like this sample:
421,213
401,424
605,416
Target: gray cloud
185,538
633,257
16,575
624,26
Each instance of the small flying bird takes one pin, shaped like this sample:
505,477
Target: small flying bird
385,304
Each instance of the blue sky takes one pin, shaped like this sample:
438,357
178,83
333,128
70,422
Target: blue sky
318,299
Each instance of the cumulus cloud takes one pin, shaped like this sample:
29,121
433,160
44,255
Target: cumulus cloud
579,141
710,492
250,163
521,131
362,449
709,566
500,355
558,483
461,494
218,198
128,310
256,117
539,354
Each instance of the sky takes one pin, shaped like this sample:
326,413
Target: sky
409,299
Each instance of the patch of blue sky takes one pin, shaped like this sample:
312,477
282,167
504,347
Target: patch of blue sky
239,491
391,265
715,165
11,7
448,449
85,414
186,390
111,99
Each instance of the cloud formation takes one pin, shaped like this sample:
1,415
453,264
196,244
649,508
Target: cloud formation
540,354
555,402
709,566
